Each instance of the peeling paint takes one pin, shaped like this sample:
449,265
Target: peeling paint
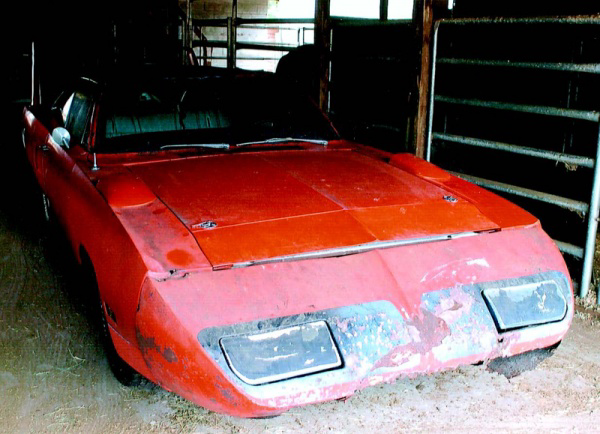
452,267
378,343
482,262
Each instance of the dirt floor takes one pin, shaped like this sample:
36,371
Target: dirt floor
54,378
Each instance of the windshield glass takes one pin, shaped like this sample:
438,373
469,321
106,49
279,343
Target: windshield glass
211,111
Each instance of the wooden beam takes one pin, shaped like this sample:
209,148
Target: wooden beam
425,21
323,46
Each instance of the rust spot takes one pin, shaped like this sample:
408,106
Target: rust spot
146,343
169,355
456,306
224,391
179,257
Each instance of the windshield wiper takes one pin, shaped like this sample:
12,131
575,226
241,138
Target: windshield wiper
197,145
285,140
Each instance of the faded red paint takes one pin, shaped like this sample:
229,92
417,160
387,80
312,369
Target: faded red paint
343,282
122,191
138,216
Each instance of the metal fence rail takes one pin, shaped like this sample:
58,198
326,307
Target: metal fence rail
232,45
591,209
585,115
591,68
515,149
552,199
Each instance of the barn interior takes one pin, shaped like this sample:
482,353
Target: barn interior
503,94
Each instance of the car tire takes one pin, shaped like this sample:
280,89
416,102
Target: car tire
124,373
518,364
49,222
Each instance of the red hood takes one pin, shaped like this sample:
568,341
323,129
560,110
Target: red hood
272,204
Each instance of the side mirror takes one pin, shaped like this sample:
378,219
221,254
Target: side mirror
61,136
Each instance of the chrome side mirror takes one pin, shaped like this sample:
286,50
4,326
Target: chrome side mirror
61,136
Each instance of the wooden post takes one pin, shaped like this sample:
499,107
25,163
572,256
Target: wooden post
383,10
232,37
323,46
425,21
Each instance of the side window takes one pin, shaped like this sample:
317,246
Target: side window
75,114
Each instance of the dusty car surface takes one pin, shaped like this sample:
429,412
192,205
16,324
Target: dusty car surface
249,259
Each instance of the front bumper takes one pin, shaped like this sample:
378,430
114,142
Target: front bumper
427,316
378,343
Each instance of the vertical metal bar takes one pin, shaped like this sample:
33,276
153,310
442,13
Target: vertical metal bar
115,45
383,10
590,243
432,94
33,92
203,49
330,65
189,27
187,30
232,37
231,45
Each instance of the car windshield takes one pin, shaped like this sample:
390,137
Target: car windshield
206,112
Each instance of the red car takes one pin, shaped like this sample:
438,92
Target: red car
250,260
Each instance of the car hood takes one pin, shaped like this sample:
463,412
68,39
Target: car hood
251,207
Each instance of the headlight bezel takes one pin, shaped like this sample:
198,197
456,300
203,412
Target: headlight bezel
519,303
306,348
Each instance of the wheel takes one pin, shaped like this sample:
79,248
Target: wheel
124,373
515,365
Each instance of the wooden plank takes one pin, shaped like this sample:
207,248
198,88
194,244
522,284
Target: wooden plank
426,24
323,45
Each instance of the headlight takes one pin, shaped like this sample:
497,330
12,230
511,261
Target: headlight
525,305
282,353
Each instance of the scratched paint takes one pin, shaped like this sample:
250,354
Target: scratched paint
453,326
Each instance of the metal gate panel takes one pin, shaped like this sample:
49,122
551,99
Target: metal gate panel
575,54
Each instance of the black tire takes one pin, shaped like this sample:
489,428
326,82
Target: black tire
124,373
514,366
49,225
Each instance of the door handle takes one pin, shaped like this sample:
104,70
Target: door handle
44,148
